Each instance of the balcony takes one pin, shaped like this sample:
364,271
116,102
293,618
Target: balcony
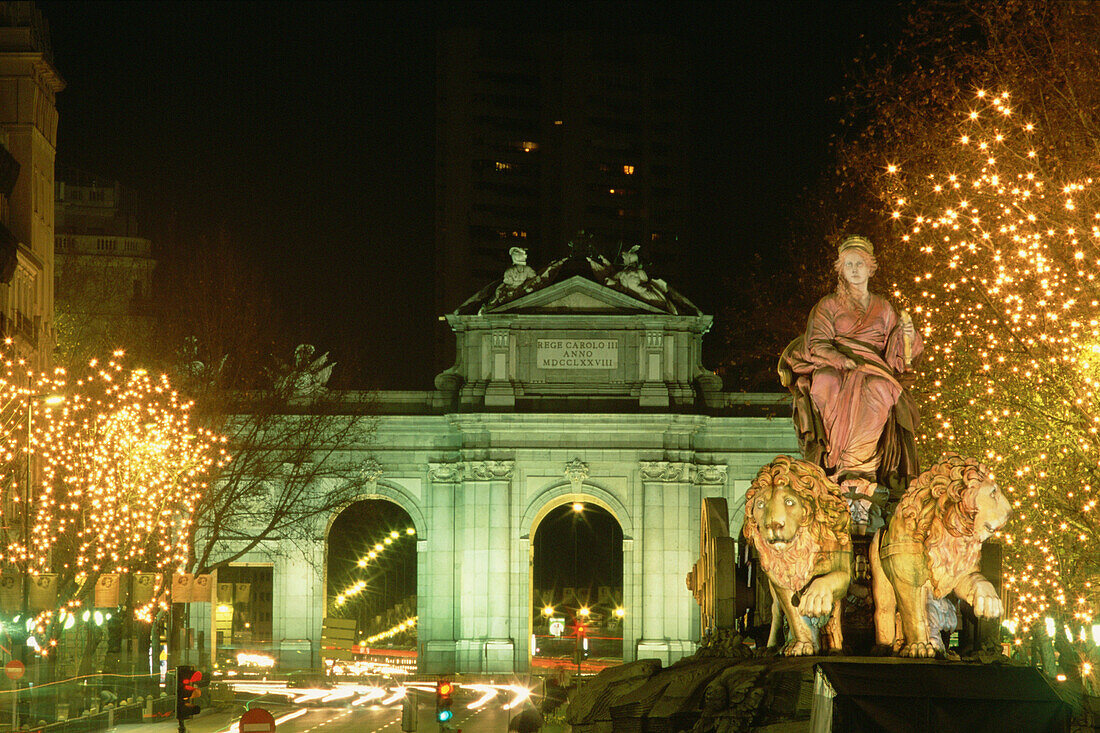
19,325
103,244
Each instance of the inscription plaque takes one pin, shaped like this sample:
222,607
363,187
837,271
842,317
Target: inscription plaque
577,353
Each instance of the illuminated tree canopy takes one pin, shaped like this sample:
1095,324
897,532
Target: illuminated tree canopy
116,469
1007,253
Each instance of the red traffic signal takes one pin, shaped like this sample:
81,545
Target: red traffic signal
444,689
187,681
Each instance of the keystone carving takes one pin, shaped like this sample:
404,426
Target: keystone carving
370,471
576,471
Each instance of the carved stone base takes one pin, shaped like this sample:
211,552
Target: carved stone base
500,394
653,394
714,695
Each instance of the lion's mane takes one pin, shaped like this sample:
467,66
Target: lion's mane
938,511
826,527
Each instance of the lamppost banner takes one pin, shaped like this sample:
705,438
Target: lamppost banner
144,584
189,588
11,593
106,591
42,592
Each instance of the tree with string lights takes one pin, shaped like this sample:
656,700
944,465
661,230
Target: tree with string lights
1003,237
896,100
103,479
293,445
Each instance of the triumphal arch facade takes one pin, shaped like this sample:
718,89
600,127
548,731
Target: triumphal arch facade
581,382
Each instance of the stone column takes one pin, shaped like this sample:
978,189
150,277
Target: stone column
668,553
436,568
300,594
485,642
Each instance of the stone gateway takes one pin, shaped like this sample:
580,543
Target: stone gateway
568,386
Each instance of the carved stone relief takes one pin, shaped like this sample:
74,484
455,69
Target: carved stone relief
576,471
370,471
665,471
490,470
443,473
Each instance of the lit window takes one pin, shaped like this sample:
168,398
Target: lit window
628,170
557,122
504,166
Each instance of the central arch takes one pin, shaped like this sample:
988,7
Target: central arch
586,531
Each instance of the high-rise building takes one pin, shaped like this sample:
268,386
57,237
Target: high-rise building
104,269
545,136
29,84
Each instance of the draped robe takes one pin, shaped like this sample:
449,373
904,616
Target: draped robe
853,406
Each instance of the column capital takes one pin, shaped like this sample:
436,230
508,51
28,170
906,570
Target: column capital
445,473
683,472
665,471
490,470
710,475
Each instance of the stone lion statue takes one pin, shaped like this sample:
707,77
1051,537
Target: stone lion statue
799,524
932,547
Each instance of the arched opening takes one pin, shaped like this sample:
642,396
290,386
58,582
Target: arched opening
372,580
577,606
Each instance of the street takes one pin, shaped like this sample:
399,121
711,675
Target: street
476,708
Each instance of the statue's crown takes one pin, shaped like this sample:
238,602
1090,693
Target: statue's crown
856,242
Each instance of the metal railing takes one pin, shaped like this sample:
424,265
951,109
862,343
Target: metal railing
86,703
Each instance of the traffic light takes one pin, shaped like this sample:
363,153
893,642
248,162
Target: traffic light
444,691
187,690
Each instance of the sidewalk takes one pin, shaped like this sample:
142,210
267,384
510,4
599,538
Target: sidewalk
207,721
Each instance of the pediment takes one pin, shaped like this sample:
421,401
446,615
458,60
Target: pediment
576,295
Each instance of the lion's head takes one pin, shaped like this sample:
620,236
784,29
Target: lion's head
956,496
952,508
793,512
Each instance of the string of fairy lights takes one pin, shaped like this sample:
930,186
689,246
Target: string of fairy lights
109,467
1008,245
372,556
407,625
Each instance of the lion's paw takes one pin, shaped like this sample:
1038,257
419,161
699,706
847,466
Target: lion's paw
919,650
798,649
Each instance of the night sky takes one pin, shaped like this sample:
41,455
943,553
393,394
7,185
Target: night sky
305,133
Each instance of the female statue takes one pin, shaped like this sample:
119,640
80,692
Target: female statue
853,414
